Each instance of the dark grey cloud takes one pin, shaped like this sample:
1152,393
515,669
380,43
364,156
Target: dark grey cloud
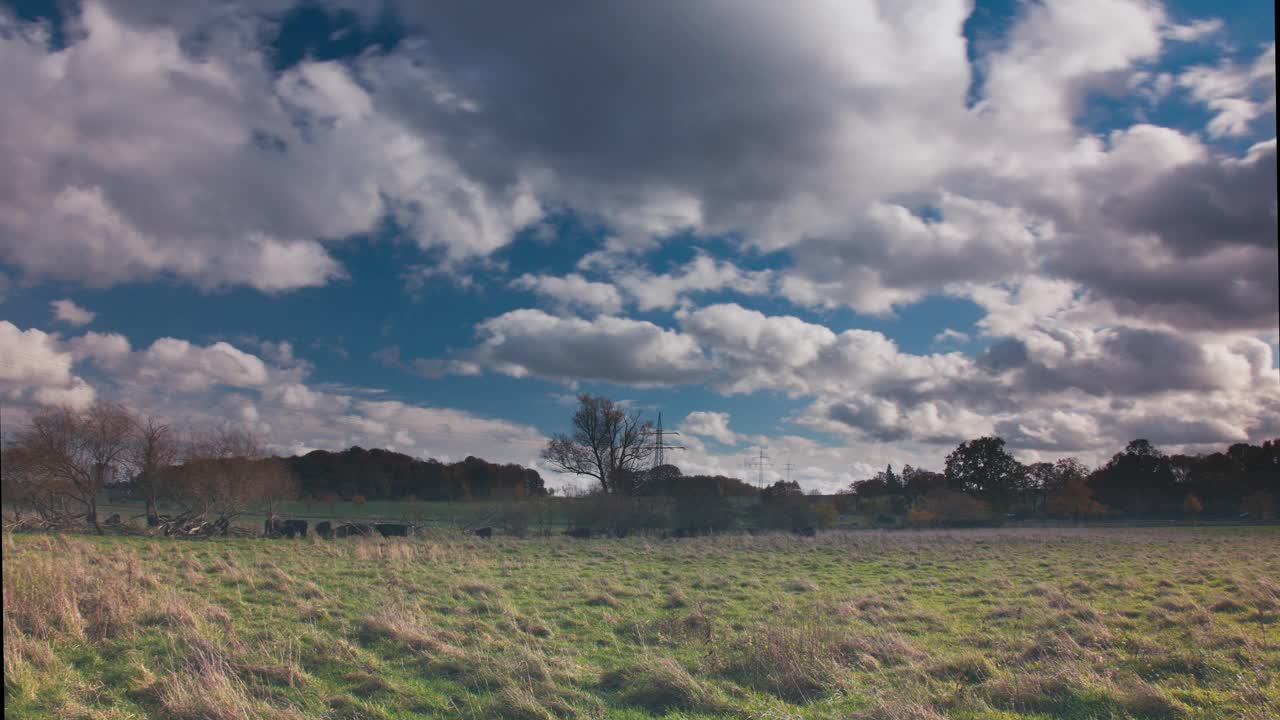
1194,248
1127,362
1197,208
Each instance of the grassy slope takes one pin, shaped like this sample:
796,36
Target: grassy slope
990,623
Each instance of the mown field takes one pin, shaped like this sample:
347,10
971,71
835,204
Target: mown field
1099,623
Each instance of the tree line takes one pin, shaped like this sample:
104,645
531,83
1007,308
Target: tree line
982,479
58,466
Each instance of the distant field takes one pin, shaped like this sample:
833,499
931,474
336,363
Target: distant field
1110,623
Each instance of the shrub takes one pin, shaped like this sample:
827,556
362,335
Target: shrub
919,517
956,508
825,513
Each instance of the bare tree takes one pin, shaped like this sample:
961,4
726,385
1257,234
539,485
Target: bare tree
226,474
154,450
606,442
25,486
71,455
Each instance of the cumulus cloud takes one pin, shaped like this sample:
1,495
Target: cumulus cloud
785,131
70,313
532,342
653,291
573,291
714,425
237,181
35,368
1050,380
194,386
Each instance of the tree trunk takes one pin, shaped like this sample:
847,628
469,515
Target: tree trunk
93,515
153,518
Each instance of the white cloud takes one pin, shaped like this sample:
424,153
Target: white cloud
72,314
170,362
195,386
532,342
703,273
573,291
237,181
1237,93
714,425
950,335
35,368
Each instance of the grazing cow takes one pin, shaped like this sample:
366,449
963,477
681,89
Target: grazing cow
353,530
392,529
484,532
581,533
806,531
275,527
324,529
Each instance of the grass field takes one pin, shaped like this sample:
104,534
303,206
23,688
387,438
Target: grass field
1181,622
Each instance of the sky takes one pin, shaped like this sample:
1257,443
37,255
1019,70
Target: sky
843,234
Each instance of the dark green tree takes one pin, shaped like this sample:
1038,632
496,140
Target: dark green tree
984,469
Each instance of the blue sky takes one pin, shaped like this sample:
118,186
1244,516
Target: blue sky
849,235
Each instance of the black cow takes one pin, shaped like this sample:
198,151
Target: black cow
113,520
484,532
580,533
276,527
353,530
295,526
806,531
324,529
392,529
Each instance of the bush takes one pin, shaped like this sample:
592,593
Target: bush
825,513
358,501
956,508
919,517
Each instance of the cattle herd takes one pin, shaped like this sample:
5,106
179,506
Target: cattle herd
290,528
282,528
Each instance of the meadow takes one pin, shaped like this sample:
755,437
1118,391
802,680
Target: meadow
997,623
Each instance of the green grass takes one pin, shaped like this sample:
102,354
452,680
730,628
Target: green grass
1099,623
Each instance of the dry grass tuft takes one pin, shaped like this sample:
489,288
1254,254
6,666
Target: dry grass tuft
799,585
1228,605
603,599
1146,701
1042,691
873,651
969,669
660,684
794,663
402,626
899,710
208,688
